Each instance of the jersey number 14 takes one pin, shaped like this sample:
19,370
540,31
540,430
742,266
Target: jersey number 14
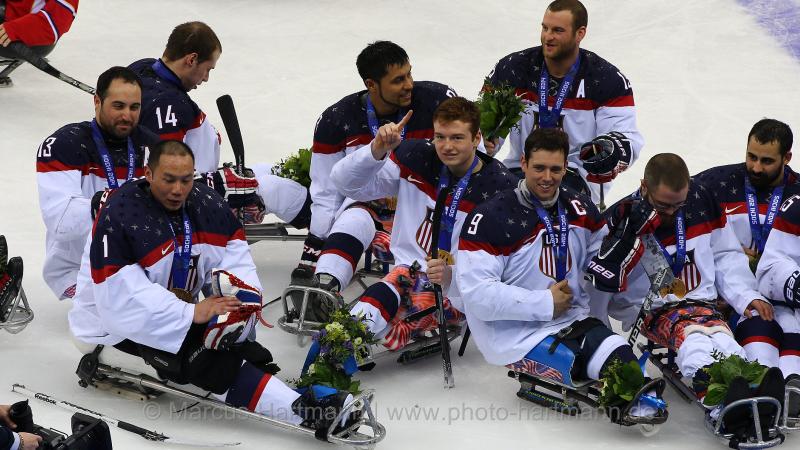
169,117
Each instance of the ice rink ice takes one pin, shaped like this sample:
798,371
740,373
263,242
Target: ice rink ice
702,72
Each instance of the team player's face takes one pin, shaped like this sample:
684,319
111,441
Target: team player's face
559,40
455,145
394,89
544,171
198,72
765,163
118,113
171,180
665,200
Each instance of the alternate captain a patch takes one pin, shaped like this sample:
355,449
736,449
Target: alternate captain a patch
425,231
547,258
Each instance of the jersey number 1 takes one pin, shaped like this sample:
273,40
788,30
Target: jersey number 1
169,117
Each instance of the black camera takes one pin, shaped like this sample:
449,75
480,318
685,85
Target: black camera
88,433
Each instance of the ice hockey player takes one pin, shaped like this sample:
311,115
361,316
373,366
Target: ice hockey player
576,90
78,163
751,195
156,243
341,230
415,171
702,251
521,262
37,24
191,53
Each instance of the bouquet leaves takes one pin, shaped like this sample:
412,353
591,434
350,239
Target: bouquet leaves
343,338
621,382
296,167
724,370
500,109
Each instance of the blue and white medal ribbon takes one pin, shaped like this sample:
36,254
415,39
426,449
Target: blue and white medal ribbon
105,157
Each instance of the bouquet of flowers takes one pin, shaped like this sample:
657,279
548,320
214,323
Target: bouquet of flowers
724,370
341,347
621,382
500,109
296,167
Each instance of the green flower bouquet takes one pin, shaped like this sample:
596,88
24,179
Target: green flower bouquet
500,108
296,167
342,346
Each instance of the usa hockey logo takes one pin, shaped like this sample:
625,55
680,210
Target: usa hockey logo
690,274
547,259
425,231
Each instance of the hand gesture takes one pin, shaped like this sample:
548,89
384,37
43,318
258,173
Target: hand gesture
562,297
764,309
389,137
214,306
4,39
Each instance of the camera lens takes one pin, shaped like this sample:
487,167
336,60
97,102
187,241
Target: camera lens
21,414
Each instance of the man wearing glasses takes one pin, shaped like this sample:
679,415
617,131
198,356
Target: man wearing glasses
700,246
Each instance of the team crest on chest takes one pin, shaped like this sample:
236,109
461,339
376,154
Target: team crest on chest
547,258
425,231
690,274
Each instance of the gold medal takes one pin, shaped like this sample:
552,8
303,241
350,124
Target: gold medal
447,257
183,294
678,288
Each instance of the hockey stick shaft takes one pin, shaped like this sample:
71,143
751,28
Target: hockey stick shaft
647,304
228,114
37,61
147,434
447,365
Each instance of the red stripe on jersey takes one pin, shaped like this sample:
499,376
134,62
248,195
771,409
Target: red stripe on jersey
102,274
578,104
160,251
174,136
786,226
588,222
257,393
734,208
55,166
341,254
427,188
762,339
698,230
238,235
377,304
789,352
349,141
625,100
473,246
120,172
198,121
204,237
420,134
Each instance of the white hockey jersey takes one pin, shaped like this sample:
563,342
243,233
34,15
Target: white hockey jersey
506,264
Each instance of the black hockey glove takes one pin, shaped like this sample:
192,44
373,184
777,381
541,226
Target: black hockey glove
99,200
640,215
608,270
791,290
312,247
606,156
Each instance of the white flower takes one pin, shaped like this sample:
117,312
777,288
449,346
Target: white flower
357,341
335,326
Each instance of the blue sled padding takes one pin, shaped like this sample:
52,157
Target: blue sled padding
555,366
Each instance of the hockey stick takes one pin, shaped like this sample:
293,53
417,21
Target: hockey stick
147,434
447,365
37,61
228,114
660,274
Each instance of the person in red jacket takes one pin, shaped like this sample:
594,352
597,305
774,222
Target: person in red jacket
37,24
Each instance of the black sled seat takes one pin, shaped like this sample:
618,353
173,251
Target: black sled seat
664,360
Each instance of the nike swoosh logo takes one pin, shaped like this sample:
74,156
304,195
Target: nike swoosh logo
351,142
166,249
414,180
730,210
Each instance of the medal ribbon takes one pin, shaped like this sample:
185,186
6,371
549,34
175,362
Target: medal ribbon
548,118
761,232
105,157
449,216
182,254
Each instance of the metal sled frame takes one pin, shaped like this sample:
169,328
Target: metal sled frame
415,350
790,423
304,327
561,397
349,436
24,314
270,232
664,360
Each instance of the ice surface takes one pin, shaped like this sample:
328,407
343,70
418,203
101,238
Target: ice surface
703,73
